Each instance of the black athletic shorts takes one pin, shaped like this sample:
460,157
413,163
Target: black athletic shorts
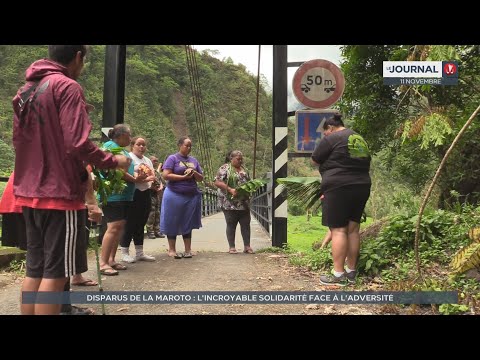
116,210
56,246
344,204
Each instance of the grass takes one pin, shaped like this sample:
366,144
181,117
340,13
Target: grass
302,233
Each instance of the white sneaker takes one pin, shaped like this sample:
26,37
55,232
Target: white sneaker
144,257
128,259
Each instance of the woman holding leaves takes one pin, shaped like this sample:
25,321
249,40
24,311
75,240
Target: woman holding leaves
182,201
117,204
235,206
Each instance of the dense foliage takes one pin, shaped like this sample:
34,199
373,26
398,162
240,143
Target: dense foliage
158,101
413,126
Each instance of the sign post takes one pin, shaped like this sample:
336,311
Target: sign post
309,128
318,84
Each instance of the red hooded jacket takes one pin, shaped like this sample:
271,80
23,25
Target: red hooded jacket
50,136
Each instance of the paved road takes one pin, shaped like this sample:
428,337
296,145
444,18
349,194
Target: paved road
211,237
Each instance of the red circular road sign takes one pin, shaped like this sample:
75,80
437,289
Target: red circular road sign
318,84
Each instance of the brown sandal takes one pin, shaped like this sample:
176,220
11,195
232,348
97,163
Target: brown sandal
118,266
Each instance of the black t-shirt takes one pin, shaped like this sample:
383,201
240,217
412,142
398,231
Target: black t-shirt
344,159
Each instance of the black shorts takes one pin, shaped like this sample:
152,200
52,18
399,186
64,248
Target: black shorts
56,246
116,210
344,204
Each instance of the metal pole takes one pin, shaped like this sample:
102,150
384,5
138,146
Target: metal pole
114,86
280,151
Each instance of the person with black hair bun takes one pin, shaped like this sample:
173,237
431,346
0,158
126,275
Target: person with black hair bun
344,163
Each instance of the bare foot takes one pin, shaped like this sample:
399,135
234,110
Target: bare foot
172,253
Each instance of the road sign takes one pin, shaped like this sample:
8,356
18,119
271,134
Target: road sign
318,84
309,128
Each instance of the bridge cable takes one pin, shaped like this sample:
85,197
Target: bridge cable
190,73
256,113
201,119
202,113
199,114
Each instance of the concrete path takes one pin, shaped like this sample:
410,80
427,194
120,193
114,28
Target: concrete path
212,237
213,269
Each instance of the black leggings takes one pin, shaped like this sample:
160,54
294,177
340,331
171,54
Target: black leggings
137,215
233,217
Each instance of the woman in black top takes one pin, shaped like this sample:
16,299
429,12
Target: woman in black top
344,163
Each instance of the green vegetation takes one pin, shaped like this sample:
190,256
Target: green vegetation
302,233
158,102
388,258
411,127
18,267
408,129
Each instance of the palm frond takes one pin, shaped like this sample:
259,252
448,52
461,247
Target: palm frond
304,191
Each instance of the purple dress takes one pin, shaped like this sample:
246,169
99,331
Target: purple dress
182,201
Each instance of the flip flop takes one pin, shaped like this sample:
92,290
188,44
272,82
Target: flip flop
249,251
87,282
118,266
233,251
108,272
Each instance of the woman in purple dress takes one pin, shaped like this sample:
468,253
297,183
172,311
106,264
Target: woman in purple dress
182,201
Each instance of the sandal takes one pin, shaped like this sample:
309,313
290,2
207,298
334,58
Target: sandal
233,251
118,266
249,251
187,255
86,282
178,256
108,272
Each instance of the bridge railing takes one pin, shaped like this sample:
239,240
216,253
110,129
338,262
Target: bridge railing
209,202
262,207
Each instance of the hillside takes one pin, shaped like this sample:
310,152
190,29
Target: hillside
158,100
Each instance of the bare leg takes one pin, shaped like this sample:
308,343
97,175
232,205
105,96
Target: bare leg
110,243
188,245
50,285
172,245
353,244
29,284
339,248
327,239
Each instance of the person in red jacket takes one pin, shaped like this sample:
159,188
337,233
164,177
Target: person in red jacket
50,136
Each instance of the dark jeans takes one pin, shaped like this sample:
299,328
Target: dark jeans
233,217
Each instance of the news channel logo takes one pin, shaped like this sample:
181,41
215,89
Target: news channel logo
420,73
